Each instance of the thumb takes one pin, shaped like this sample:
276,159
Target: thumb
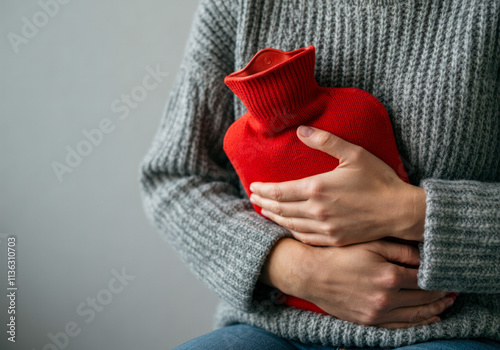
327,142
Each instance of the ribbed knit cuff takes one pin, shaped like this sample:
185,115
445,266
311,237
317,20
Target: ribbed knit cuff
462,237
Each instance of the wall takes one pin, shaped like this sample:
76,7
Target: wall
78,220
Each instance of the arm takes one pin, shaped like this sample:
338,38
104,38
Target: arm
190,191
357,283
458,221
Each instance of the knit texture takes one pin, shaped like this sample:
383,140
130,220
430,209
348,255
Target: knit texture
434,65
280,92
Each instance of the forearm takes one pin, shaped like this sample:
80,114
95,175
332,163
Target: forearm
284,266
355,283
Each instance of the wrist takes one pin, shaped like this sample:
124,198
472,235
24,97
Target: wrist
413,214
285,266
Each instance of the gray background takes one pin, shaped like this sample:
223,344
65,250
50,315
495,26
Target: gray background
72,234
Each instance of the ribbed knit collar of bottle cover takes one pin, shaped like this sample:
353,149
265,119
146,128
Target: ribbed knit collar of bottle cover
278,87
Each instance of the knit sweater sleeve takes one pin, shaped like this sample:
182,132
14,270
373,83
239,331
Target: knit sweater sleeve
461,237
190,191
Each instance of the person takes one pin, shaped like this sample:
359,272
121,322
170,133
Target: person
435,66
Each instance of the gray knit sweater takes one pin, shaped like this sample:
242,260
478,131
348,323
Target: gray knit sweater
435,66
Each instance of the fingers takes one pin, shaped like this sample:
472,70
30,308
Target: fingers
315,239
288,209
416,314
295,224
405,316
286,191
396,252
406,298
405,278
429,321
395,277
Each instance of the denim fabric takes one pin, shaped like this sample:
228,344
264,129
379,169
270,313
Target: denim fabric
246,337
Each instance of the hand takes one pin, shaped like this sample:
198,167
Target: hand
359,201
357,283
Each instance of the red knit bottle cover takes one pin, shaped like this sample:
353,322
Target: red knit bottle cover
280,92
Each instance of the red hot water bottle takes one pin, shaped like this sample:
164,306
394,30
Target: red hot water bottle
281,93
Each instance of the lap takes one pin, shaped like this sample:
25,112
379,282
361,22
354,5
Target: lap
246,337
241,337
459,344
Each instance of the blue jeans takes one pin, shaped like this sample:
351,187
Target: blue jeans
245,337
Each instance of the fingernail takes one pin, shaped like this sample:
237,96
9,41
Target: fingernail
305,131
264,212
252,199
449,301
252,187
452,295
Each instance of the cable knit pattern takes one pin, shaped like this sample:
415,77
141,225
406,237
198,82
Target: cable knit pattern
435,66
